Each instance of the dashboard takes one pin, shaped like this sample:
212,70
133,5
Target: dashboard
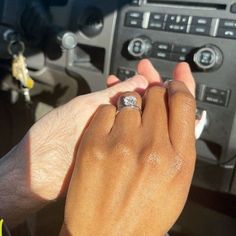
112,36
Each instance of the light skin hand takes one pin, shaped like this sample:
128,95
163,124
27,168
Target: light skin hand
39,167
54,147
133,172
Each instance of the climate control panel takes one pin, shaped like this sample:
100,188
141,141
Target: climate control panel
201,33
188,24
207,57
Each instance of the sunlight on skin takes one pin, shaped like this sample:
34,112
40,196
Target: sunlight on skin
182,72
72,118
54,138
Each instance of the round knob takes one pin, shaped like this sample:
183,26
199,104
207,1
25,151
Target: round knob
208,57
67,40
140,47
92,22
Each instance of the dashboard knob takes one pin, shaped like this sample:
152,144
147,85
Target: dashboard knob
140,47
67,40
208,57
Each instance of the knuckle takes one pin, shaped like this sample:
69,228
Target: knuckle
94,150
152,159
176,166
153,91
184,98
123,150
151,155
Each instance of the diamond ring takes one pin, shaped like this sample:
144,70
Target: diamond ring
128,102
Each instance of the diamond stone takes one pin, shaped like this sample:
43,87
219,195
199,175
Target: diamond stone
129,101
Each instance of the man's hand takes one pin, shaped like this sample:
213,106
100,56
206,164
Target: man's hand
133,171
38,169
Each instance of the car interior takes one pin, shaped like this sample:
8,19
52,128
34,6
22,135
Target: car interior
71,46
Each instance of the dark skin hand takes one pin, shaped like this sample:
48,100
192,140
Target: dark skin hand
133,171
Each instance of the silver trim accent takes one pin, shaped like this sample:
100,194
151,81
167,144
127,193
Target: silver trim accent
215,23
189,24
146,18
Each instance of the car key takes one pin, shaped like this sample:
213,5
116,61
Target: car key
21,73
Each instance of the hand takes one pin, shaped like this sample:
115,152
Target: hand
48,148
50,143
133,172
40,166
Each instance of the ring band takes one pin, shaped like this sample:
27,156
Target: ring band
128,102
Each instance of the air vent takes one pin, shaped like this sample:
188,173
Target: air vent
202,5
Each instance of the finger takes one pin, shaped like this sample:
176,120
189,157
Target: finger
182,72
137,83
155,114
128,119
102,121
146,69
182,107
112,80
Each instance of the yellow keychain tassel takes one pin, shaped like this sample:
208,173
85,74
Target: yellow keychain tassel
1,224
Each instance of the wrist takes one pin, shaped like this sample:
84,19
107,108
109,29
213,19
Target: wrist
17,199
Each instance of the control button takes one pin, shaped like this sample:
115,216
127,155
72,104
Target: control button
155,25
162,46
216,96
135,2
131,22
156,21
208,57
176,28
226,33
157,17
224,23
182,49
178,57
233,8
137,47
140,47
202,30
161,55
135,15
124,73
177,19
201,21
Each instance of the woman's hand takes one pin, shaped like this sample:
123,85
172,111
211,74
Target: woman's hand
133,171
